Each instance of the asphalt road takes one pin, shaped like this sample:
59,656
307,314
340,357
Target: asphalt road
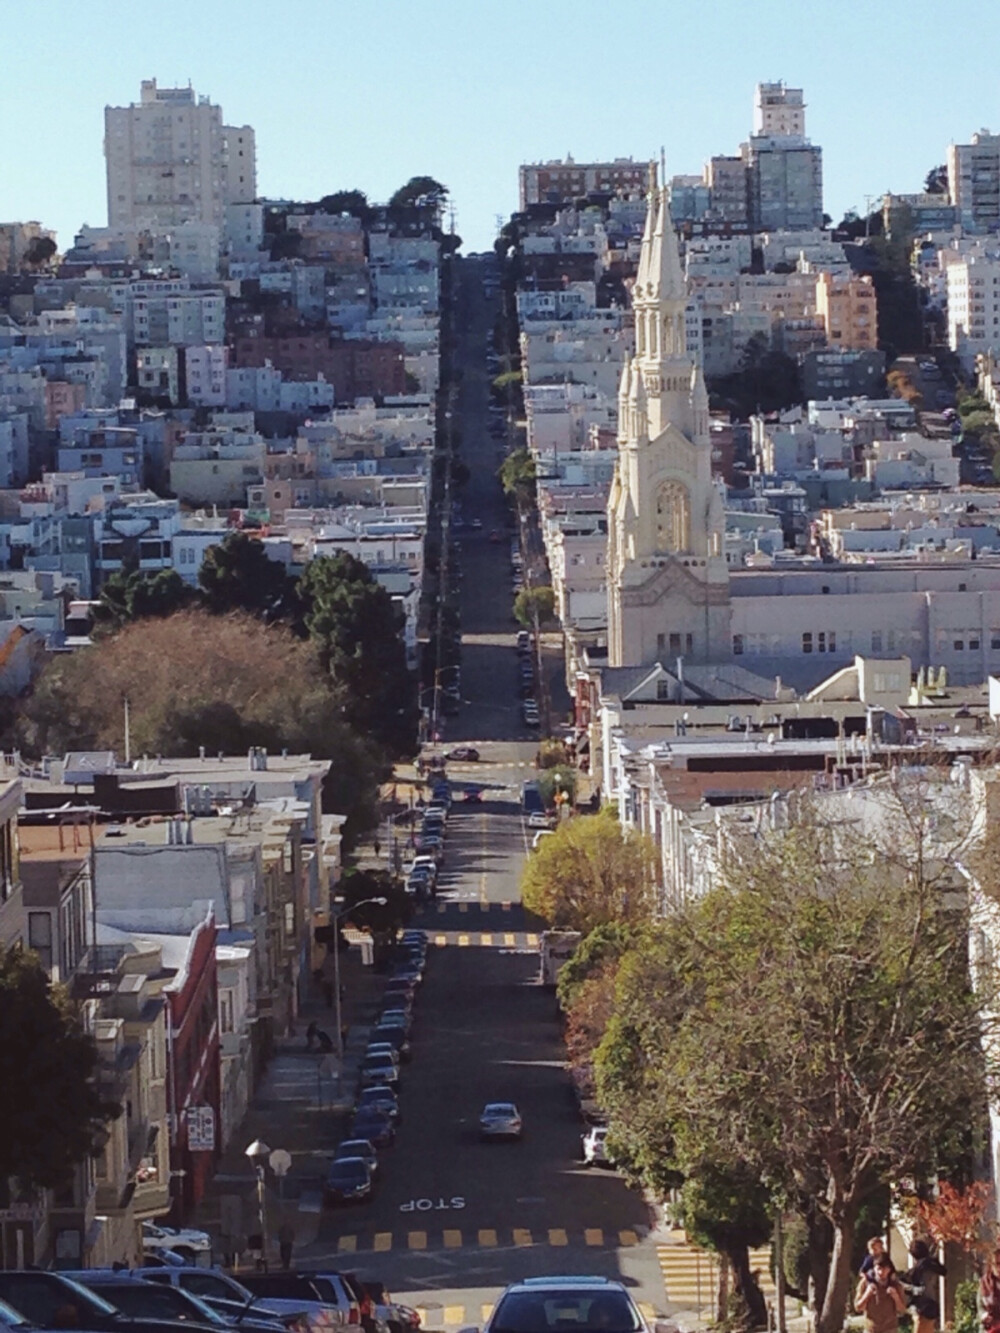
453,1219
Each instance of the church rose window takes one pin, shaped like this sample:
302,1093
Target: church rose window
673,517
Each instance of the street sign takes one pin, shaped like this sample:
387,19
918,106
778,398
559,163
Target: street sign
281,1162
201,1128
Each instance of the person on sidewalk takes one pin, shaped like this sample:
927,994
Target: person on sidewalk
882,1301
921,1279
286,1242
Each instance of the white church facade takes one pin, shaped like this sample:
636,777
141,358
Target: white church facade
670,594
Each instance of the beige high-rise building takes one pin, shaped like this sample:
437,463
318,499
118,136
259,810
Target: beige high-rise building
170,159
778,110
846,305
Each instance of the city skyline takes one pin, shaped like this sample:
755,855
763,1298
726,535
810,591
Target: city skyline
335,94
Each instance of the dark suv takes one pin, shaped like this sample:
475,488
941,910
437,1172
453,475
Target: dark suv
134,1295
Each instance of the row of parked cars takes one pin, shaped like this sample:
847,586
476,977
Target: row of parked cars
422,872
526,674
168,1298
356,1165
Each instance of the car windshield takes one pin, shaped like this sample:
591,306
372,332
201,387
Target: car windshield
355,1148
500,1108
10,1317
142,1300
40,1296
565,1312
348,1169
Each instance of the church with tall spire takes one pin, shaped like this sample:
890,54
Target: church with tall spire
668,583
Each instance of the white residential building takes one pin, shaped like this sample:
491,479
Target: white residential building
973,307
171,160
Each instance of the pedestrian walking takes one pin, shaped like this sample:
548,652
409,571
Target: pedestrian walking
882,1301
286,1242
325,1041
312,1032
921,1281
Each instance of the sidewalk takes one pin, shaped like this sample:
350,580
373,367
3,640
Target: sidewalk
300,1106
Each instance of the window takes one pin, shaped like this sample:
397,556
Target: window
974,644
807,642
40,937
958,645
675,644
876,640
672,517
737,645
689,643
226,1011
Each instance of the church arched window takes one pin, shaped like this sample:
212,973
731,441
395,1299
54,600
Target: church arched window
673,517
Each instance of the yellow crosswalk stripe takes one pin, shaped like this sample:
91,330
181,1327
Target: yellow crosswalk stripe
509,941
484,1312
417,1240
441,939
452,1239
647,1311
347,1244
522,1236
463,907
382,1241
463,940
487,1237
454,1314
593,1236
486,940
557,1236
531,941
628,1238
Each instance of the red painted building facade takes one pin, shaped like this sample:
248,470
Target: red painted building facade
193,1070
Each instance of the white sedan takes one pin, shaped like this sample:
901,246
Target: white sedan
185,1242
500,1120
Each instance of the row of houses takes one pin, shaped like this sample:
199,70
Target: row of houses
177,900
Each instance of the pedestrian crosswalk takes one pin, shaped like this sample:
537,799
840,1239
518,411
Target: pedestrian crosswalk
441,907
435,1315
691,1275
486,939
456,1238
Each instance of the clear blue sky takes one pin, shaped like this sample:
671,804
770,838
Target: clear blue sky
366,93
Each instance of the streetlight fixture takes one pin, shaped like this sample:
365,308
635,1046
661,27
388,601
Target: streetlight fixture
380,902
258,1152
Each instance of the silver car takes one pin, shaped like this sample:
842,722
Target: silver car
500,1120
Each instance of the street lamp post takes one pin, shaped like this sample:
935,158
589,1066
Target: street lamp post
336,972
258,1153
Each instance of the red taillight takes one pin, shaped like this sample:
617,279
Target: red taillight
367,1308
354,1315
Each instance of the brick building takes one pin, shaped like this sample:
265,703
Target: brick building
356,368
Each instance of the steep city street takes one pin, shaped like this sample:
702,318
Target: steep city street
453,1219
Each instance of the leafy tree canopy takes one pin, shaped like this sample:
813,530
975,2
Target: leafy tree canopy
534,606
52,1114
936,181
380,918
811,1017
419,191
139,594
589,873
354,202
239,575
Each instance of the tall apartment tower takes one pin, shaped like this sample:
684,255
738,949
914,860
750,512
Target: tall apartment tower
784,170
170,160
974,181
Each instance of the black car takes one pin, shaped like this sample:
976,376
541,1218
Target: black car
138,1298
380,1098
349,1180
395,1037
359,1148
377,1128
53,1301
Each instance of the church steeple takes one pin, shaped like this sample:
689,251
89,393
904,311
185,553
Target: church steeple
668,584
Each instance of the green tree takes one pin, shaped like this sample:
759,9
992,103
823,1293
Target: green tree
517,476
139,594
728,1210
812,1015
590,872
358,631
382,919
52,1114
419,192
239,575
936,181
354,202
533,607
39,251
607,943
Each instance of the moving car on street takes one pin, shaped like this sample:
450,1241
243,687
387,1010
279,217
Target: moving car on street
595,1147
500,1120
192,1246
567,1304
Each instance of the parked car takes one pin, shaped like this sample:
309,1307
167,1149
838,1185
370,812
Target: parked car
329,1289
500,1120
463,754
595,1146
379,1070
372,1125
130,1292
539,819
396,1317
394,1038
191,1245
349,1180
219,1289
359,1148
50,1300
381,1098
